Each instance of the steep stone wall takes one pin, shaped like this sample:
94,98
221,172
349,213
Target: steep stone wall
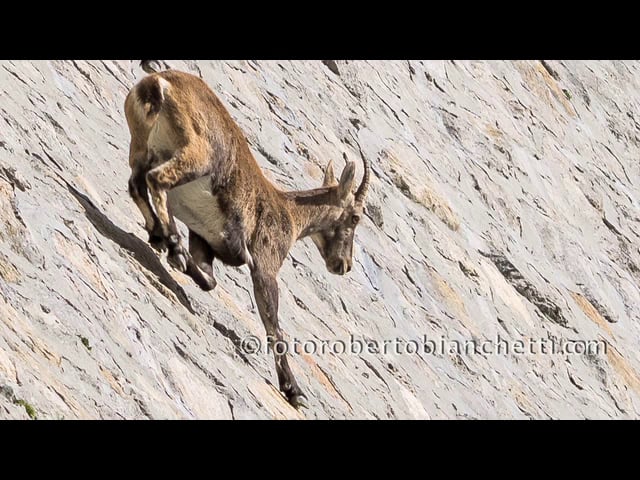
504,204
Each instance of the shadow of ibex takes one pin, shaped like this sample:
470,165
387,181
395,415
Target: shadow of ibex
139,250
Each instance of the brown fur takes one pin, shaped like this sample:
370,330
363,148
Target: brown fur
183,136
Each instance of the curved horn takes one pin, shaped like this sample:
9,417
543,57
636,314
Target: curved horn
363,189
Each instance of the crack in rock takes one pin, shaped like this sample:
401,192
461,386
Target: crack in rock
525,288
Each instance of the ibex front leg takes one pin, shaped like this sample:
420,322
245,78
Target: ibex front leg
265,287
184,167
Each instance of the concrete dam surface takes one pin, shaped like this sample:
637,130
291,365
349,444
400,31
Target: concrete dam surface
496,271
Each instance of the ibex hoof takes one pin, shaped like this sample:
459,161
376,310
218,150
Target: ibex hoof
178,260
297,401
157,243
205,282
156,238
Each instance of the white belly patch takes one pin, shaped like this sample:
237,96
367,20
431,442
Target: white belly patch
195,206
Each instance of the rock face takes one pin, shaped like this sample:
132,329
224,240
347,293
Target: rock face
504,210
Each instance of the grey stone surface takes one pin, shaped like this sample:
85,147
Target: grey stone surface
504,201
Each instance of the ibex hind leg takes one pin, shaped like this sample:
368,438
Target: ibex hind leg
140,195
180,169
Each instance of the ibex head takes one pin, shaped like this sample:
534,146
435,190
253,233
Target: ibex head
335,241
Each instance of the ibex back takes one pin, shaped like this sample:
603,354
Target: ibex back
191,156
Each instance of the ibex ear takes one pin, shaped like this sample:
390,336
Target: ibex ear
346,180
329,177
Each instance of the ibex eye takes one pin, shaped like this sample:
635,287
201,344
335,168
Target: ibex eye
355,219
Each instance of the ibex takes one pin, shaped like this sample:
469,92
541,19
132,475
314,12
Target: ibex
193,158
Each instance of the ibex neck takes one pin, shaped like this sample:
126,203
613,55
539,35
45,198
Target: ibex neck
312,210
